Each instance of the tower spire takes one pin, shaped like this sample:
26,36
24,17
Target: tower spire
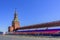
15,16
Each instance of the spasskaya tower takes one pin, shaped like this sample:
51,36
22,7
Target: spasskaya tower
15,23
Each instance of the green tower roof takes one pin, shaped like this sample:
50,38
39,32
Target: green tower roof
15,16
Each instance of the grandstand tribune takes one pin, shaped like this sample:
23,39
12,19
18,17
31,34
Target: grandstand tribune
38,32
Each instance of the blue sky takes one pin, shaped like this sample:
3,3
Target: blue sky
29,12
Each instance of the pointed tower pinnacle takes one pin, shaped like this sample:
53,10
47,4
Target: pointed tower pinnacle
15,16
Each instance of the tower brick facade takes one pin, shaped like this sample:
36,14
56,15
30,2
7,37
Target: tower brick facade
15,23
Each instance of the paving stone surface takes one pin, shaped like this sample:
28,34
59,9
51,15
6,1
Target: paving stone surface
14,37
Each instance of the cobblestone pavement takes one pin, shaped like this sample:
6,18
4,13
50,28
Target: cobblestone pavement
14,37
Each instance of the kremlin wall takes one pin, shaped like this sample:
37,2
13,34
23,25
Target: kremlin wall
16,25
